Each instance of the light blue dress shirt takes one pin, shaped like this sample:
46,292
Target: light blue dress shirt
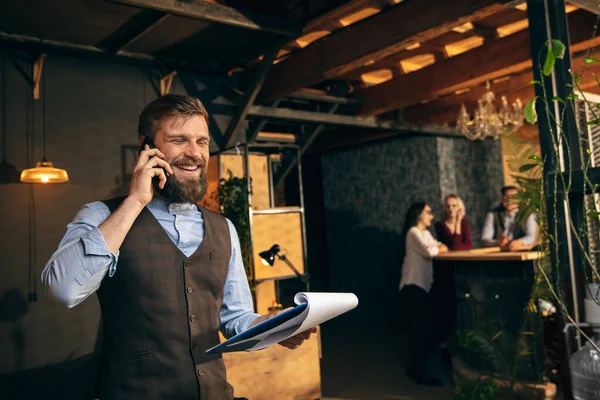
83,259
488,234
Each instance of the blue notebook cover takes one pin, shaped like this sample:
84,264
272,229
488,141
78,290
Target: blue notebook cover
256,330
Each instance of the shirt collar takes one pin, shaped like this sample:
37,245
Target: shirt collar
159,203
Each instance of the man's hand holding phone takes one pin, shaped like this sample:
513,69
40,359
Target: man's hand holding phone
150,164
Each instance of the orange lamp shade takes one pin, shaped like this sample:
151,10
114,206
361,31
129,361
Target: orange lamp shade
44,172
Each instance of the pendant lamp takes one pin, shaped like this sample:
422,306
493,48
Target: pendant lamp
44,171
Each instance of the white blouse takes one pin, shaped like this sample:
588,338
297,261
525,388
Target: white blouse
417,268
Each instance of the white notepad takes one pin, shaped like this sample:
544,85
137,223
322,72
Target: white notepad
312,309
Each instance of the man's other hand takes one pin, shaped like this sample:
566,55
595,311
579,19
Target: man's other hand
292,342
295,341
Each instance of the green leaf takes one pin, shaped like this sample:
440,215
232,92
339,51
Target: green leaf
549,63
530,113
559,99
558,48
593,214
534,82
577,79
590,60
527,167
572,96
535,157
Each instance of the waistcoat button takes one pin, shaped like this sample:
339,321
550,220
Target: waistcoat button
187,263
189,289
192,318
200,372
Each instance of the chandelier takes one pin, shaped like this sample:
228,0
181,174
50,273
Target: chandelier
488,121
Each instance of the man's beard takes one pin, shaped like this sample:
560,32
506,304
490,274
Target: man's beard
186,191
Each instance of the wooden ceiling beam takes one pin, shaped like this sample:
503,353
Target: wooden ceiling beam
371,40
502,57
390,62
445,109
331,20
221,14
132,30
592,6
310,117
486,32
239,118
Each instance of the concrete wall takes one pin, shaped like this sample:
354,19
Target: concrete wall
367,191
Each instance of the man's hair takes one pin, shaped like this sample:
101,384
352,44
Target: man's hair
507,188
176,105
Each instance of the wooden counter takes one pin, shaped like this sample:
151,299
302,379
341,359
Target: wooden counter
489,290
488,254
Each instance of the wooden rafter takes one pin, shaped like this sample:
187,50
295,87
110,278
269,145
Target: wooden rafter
592,6
371,40
136,27
502,57
239,117
437,46
310,117
445,109
331,20
221,14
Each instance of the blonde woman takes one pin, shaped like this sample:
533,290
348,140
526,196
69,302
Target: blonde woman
454,230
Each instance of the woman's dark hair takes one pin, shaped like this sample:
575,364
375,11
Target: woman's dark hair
412,216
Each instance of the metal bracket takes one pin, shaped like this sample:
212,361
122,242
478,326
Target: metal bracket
38,67
166,82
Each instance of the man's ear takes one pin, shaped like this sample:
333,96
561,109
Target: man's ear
141,139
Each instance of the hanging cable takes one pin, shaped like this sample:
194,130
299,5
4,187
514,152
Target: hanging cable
44,113
3,107
29,144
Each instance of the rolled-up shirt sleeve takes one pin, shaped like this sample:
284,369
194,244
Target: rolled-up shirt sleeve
531,230
487,233
416,242
237,310
77,268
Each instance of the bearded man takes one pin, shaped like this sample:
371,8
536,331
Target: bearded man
168,273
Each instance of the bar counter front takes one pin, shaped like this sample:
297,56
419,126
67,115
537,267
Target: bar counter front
491,290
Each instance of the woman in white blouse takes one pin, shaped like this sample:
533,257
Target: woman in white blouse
417,277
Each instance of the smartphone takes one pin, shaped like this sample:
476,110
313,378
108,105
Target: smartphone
155,180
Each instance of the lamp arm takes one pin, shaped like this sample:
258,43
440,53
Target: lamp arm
304,278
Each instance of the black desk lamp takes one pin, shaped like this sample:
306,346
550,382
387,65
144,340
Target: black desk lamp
268,259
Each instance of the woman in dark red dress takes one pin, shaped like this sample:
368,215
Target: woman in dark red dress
454,231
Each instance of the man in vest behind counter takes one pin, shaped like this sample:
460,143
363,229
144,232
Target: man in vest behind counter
179,277
504,228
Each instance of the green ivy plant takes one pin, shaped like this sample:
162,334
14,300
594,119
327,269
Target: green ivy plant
532,191
233,198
